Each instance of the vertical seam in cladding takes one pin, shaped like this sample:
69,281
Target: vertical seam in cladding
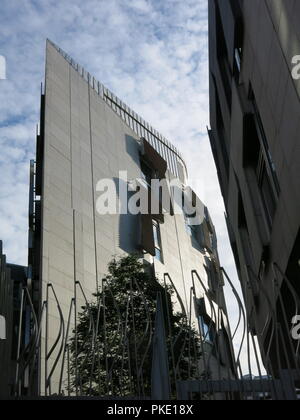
93,192
71,138
181,261
75,293
72,201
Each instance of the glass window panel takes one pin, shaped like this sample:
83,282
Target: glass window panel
206,330
158,254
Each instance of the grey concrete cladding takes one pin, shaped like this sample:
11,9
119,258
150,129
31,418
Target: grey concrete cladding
131,118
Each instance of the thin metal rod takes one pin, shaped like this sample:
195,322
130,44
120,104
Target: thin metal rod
19,343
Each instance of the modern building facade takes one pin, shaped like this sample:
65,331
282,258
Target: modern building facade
255,121
87,135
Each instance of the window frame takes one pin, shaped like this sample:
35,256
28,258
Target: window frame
208,332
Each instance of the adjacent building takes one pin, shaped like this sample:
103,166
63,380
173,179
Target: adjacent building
6,303
255,122
12,279
87,135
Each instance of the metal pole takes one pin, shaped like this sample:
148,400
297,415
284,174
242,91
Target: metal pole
19,341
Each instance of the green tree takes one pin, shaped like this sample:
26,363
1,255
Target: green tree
111,351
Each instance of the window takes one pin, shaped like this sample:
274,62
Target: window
206,329
264,141
257,155
244,231
223,57
238,51
267,193
238,59
191,229
157,241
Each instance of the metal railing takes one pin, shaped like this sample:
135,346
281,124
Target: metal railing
221,362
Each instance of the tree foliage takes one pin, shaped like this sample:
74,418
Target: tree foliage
111,349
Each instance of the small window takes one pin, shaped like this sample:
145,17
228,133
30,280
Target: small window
206,329
192,229
257,156
238,59
267,192
223,57
157,241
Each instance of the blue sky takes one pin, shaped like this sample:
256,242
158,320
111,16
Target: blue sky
151,53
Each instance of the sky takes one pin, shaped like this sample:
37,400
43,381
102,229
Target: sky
153,54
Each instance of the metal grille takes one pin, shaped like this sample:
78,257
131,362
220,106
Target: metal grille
183,365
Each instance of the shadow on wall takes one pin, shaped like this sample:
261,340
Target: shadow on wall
129,225
132,148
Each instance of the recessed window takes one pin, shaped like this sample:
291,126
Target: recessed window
267,192
257,155
244,231
223,57
157,241
238,59
206,329
238,50
191,229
